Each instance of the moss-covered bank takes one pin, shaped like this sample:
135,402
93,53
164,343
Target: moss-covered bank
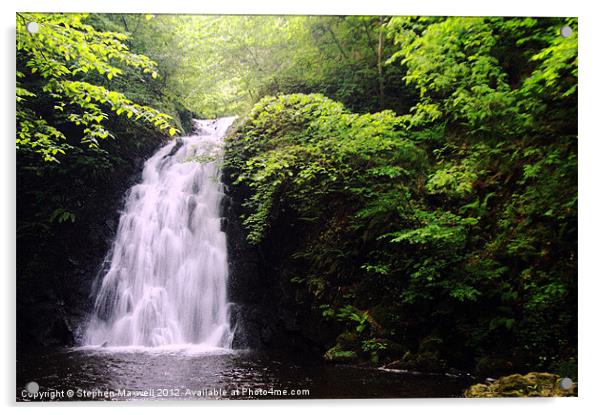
531,384
359,237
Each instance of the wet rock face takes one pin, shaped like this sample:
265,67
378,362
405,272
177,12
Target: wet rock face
270,313
532,384
56,269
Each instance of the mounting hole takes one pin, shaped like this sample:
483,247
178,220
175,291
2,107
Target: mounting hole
566,31
32,27
566,384
32,387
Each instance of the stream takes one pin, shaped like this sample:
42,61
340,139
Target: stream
189,374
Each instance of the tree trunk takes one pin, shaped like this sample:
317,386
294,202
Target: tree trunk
379,58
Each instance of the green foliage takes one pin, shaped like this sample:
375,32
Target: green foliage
359,319
303,147
373,347
456,219
243,58
427,167
61,215
66,63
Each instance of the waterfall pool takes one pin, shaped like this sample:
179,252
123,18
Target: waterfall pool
200,374
160,328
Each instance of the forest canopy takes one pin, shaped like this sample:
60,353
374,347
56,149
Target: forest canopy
427,164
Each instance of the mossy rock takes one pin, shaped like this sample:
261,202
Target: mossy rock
348,341
337,354
532,384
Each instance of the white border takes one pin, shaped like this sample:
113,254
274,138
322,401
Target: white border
589,191
423,7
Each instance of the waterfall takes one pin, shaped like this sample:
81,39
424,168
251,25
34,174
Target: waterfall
166,275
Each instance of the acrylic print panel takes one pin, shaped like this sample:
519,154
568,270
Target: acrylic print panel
295,207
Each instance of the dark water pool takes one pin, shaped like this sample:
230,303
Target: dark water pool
72,374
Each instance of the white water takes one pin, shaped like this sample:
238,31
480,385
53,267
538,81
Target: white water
166,279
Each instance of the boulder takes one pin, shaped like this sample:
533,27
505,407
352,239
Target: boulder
337,354
532,384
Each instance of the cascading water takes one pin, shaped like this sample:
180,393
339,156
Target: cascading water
166,276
